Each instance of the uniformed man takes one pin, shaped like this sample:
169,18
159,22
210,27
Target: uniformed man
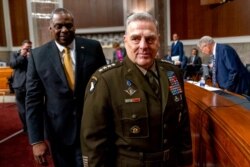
132,119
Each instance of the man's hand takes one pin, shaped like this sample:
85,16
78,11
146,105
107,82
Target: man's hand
40,152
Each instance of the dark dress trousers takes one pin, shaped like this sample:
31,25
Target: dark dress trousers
231,74
19,64
126,124
50,101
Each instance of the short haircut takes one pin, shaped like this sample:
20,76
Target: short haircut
58,11
26,41
142,16
205,40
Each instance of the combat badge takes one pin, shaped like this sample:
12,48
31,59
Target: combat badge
130,89
93,82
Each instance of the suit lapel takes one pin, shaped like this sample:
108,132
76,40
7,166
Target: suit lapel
80,58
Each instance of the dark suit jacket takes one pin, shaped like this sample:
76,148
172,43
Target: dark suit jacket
196,63
231,74
177,49
49,96
19,64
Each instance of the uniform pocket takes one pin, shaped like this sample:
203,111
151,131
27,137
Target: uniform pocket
134,120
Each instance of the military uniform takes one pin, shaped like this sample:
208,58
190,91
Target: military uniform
126,125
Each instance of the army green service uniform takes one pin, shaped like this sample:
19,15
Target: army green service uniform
126,125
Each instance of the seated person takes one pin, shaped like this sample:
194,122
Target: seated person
193,64
119,53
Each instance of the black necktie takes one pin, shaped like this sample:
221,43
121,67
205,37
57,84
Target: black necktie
152,81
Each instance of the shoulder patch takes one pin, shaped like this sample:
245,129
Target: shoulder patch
109,66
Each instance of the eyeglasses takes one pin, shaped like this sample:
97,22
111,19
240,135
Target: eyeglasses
68,26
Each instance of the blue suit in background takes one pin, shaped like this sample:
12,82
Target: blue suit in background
231,74
177,49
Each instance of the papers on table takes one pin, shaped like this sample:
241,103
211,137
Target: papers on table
209,88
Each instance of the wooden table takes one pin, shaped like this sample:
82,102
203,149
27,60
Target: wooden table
220,129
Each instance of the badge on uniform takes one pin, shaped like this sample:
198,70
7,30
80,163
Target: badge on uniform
130,90
93,82
135,129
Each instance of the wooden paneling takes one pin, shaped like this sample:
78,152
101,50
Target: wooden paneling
19,21
2,26
191,20
96,13
220,129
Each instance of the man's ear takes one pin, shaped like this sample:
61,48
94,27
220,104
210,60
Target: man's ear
50,28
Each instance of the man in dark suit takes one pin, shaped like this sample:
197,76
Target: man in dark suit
19,62
228,70
135,111
177,50
193,64
54,102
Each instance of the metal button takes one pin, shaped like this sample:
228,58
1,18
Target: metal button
134,116
164,126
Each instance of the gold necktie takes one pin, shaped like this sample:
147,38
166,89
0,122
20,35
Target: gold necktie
68,68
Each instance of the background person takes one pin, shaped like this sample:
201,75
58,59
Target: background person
119,53
230,73
53,100
19,62
177,50
193,64
126,122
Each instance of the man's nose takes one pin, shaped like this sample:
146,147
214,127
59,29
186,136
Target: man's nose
143,43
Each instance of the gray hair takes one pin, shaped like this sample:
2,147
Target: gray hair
142,16
205,40
58,11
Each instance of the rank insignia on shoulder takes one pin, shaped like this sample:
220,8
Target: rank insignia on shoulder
93,82
85,161
106,67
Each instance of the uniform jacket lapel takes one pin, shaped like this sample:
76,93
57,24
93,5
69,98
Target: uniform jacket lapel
135,75
164,84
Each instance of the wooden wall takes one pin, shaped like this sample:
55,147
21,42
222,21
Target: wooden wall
2,27
96,13
191,20
19,21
